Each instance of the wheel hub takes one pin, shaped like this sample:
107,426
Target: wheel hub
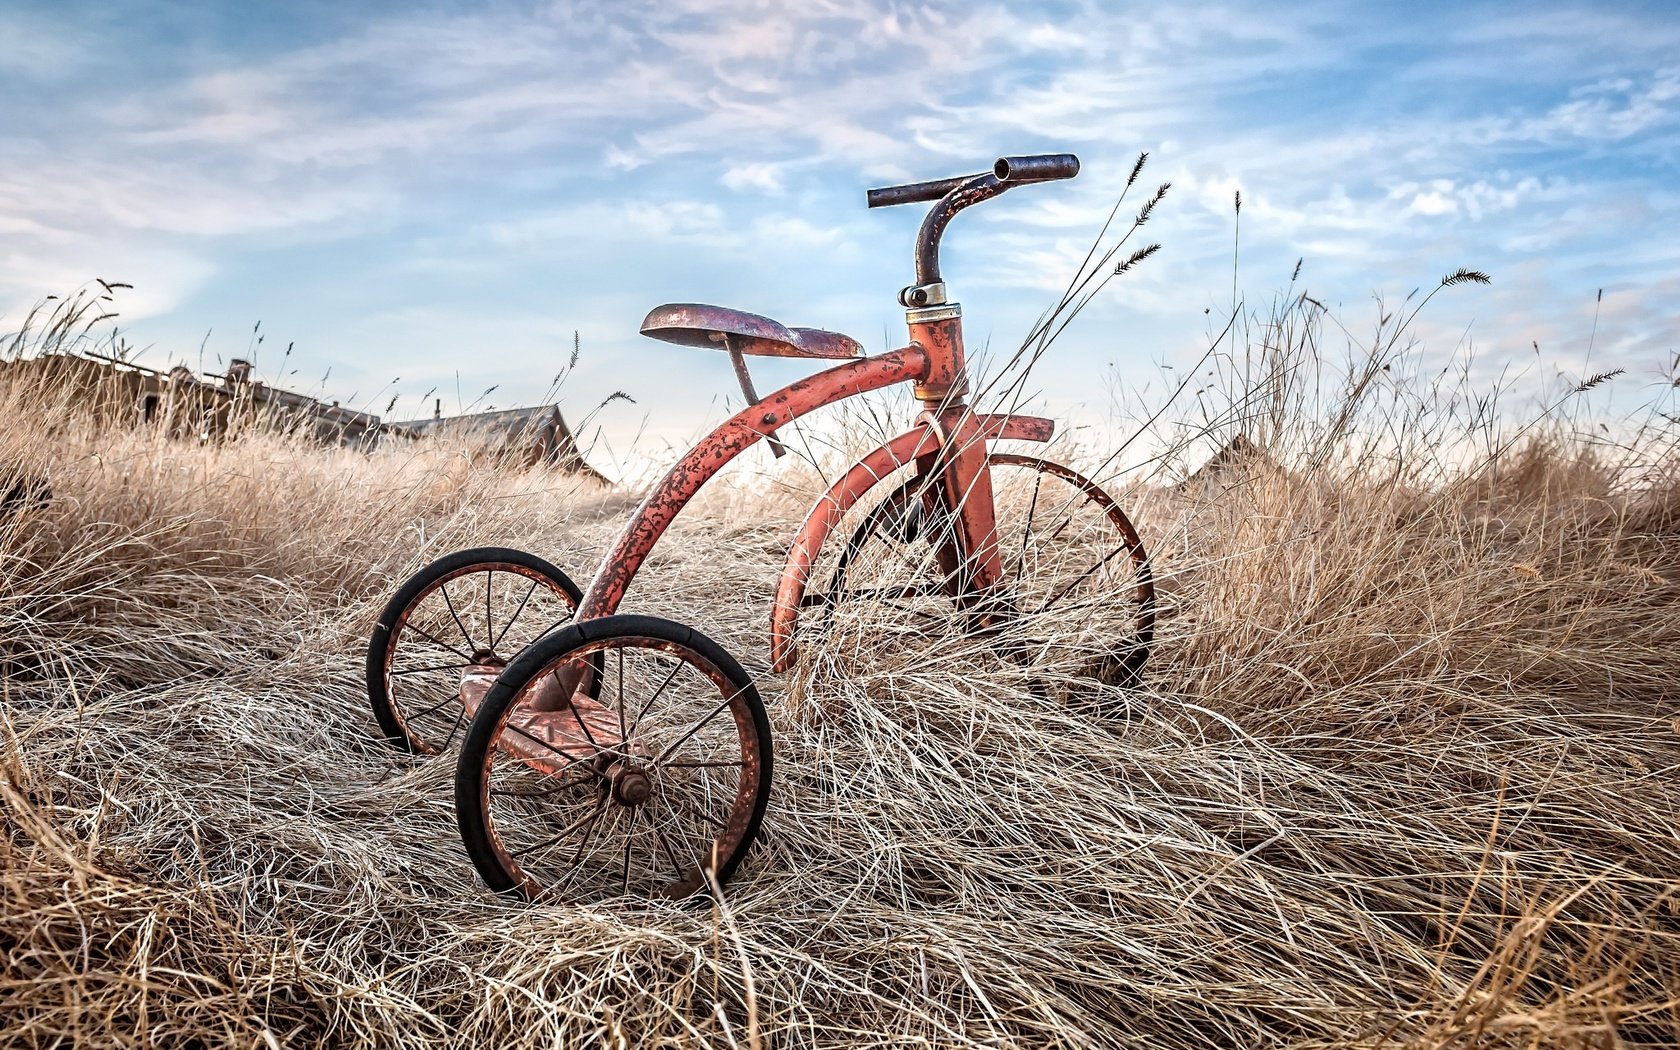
631,786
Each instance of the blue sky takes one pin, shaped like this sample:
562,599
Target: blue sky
422,191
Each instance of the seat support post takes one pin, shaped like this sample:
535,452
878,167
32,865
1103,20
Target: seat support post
741,373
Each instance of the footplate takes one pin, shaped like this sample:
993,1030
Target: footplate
548,741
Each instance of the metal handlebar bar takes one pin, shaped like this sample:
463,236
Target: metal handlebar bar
1045,167
915,192
956,194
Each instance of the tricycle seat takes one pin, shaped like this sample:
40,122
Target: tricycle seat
718,327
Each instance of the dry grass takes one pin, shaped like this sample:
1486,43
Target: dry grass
1402,771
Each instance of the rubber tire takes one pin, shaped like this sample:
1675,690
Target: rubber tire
378,692
469,769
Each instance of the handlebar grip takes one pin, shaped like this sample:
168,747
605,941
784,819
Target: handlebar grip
1041,168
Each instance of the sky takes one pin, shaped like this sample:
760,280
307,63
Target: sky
423,197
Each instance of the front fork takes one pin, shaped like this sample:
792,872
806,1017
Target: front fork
968,549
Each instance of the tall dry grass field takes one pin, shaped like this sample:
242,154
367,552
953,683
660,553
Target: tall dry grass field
1401,772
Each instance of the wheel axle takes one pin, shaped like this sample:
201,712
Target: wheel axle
631,786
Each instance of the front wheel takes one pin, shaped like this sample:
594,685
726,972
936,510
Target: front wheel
1077,599
653,785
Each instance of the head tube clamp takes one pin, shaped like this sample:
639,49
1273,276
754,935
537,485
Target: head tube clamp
919,295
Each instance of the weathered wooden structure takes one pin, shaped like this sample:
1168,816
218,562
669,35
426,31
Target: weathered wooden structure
527,436
208,407
189,404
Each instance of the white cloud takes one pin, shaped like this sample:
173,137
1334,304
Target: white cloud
162,277
1607,111
674,219
1048,37
795,231
1433,202
691,222
766,177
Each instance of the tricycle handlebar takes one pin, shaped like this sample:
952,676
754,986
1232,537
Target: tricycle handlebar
956,194
1010,171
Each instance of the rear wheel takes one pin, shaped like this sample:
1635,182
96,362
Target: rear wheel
467,612
652,787
1077,598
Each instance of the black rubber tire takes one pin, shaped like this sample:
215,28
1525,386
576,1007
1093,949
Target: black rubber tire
380,645
472,770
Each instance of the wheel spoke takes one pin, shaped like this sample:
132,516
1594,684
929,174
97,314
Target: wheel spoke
657,693
702,814
547,792
670,854
695,728
896,594
897,598
422,632
623,731
443,589
516,614
460,720
685,830
423,670
1077,580
629,840
588,818
1026,531
578,717
575,865
440,705
567,615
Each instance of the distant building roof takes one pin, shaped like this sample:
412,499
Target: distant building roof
536,435
513,420
1225,466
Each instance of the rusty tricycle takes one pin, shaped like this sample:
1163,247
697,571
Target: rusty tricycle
606,754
